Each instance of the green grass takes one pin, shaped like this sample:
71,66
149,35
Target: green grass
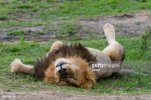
70,9
4,17
17,33
20,23
28,52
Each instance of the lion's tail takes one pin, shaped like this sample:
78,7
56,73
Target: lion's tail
109,33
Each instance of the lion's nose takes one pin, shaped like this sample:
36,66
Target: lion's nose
62,71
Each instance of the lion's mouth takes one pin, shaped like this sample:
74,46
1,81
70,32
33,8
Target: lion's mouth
64,69
65,75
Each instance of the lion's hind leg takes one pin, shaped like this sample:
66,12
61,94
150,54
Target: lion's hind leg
114,50
18,67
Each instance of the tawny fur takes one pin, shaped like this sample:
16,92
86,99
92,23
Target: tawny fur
83,76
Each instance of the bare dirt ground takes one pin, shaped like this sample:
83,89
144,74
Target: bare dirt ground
125,24
49,95
131,24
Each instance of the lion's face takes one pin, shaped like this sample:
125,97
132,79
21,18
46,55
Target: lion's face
65,69
71,71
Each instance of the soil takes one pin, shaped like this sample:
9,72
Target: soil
49,95
125,24
131,24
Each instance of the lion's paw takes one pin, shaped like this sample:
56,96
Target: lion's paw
15,65
56,45
108,26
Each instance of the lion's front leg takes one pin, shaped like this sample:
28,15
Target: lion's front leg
73,82
18,67
56,45
79,83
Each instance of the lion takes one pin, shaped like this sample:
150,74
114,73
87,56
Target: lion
75,64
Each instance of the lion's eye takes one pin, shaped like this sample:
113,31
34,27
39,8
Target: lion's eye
58,68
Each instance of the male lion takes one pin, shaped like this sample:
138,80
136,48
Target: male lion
76,65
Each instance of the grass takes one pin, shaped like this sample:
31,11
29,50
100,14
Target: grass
4,17
28,52
47,10
17,33
68,29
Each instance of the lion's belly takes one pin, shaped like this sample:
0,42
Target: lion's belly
102,67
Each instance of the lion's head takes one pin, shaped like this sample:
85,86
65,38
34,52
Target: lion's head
69,65
70,71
